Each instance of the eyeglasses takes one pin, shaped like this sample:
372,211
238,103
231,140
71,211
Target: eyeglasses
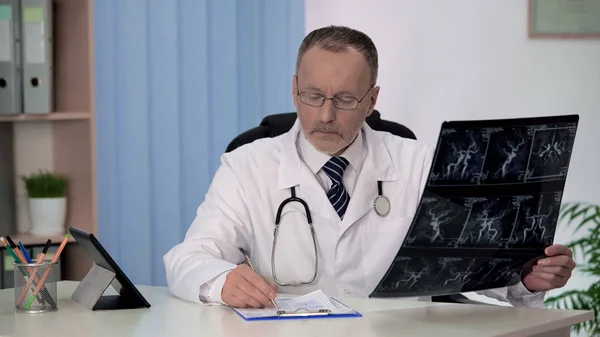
342,102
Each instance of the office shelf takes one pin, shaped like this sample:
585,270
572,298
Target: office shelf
62,141
35,240
55,116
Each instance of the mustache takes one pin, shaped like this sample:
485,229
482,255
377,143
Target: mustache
331,128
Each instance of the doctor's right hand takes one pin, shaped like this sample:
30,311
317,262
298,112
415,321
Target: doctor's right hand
244,288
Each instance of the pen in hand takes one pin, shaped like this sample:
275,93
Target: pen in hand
252,267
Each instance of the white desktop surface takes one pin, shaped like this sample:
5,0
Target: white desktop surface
170,316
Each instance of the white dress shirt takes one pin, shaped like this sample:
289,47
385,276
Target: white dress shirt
355,154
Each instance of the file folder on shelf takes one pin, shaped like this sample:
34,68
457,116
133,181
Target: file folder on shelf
36,19
10,58
2,268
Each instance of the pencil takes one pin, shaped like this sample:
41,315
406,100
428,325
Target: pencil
48,270
252,267
18,258
35,270
10,250
17,251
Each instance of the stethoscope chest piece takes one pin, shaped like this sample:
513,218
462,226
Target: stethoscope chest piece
382,205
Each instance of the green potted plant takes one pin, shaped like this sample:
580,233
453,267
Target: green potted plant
47,201
587,248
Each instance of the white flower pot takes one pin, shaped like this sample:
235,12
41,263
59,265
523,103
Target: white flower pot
47,215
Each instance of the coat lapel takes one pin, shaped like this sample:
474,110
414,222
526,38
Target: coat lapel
378,165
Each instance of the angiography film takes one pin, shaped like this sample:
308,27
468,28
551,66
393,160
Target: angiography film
489,209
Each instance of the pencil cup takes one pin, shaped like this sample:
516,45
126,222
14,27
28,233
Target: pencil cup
35,286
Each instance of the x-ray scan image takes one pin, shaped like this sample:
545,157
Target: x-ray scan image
507,156
449,275
463,153
439,223
490,206
502,155
490,222
551,153
536,221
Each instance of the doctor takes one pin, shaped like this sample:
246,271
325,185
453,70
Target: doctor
324,175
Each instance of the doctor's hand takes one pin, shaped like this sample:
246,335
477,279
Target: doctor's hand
551,272
244,288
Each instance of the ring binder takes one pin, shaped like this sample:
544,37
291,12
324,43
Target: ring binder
10,58
37,56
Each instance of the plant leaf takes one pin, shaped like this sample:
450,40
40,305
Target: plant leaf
582,215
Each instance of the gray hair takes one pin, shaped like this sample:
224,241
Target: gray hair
338,39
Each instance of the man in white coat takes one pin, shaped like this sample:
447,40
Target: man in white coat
332,161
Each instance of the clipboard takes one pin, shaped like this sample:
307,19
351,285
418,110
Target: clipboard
301,313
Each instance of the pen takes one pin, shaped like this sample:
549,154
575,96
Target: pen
47,273
252,267
25,252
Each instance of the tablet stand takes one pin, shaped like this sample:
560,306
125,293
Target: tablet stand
90,292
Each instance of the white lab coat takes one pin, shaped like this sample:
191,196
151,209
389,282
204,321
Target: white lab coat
242,201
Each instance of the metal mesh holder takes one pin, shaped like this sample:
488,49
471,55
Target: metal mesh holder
35,286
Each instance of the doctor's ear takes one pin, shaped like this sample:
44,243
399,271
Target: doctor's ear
294,84
295,88
374,95
373,100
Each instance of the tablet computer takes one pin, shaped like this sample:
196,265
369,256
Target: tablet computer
104,273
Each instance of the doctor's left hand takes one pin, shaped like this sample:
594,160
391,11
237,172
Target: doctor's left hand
551,272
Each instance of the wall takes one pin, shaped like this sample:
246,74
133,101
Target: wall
33,149
471,59
176,81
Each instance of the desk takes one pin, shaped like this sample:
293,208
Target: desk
170,316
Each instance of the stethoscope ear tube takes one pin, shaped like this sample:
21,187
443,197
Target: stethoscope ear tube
276,231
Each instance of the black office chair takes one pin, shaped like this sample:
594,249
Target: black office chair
277,124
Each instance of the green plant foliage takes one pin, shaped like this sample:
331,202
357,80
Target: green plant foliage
44,184
587,249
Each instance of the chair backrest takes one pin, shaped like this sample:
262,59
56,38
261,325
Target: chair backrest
277,124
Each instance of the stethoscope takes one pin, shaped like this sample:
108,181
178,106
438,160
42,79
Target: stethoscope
381,205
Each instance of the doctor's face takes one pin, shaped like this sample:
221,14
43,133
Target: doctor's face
333,97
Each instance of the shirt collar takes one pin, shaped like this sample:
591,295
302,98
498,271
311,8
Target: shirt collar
375,145
355,153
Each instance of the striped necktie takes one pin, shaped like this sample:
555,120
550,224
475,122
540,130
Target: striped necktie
338,196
